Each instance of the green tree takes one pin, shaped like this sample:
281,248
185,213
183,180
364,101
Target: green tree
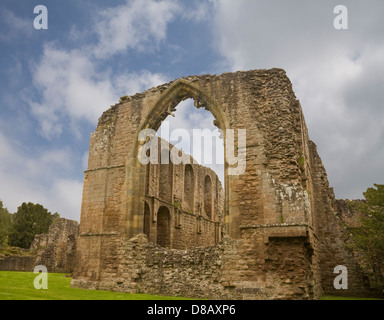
5,225
369,237
29,220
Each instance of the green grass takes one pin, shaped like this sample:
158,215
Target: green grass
19,286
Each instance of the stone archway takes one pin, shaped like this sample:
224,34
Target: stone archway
179,91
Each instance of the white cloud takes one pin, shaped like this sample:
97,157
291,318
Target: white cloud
39,178
138,24
65,198
74,85
132,83
337,75
187,118
199,11
72,88
14,27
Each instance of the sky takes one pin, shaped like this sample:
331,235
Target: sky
55,83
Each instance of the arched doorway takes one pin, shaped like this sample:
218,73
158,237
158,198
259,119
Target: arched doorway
163,238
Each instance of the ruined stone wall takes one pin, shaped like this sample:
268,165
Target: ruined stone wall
21,263
349,216
261,101
209,272
195,207
334,236
268,209
55,250
347,213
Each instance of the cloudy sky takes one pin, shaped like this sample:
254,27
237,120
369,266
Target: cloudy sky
55,83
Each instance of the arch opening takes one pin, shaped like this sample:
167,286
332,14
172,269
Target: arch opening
182,185
184,198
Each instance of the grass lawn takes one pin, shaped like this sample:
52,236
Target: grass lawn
19,286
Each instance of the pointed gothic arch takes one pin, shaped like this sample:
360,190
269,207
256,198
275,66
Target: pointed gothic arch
177,92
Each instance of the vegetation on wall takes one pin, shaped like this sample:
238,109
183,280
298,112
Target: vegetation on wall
368,238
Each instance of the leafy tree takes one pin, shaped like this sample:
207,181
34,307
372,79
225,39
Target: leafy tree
29,220
369,237
5,225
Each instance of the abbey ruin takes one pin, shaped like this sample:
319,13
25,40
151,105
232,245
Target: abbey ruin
173,229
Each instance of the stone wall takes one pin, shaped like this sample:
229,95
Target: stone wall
260,101
268,209
349,216
22,263
55,250
184,207
211,272
347,212
334,235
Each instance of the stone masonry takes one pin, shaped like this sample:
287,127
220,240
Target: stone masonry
154,229
184,204
55,250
